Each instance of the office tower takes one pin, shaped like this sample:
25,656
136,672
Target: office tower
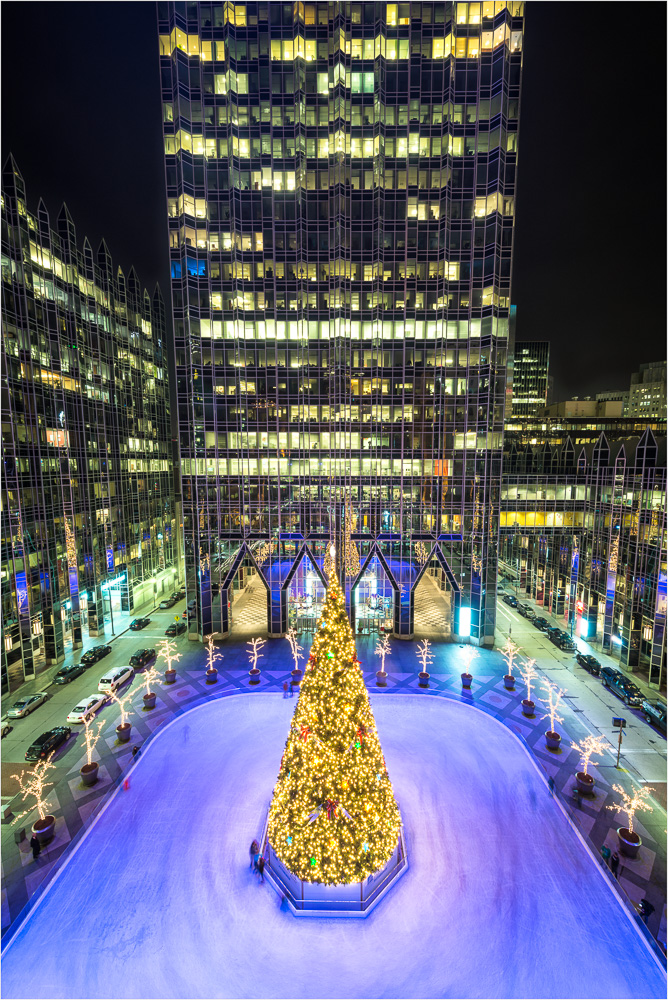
647,392
87,497
530,377
340,192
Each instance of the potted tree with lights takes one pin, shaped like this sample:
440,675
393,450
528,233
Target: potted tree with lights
590,746
470,653
529,675
510,653
382,649
32,784
296,649
89,772
425,656
150,675
213,655
553,696
124,728
254,655
167,650
629,840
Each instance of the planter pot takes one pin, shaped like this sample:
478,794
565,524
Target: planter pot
585,782
123,732
170,676
149,700
44,829
296,677
89,773
553,740
509,682
211,675
466,680
254,675
381,678
527,707
423,679
628,842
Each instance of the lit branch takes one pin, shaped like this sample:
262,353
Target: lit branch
631,804
529,675
213,654
122,702
553,696
32,785
167,650
424,655
91,736
254,653
470,654
421,553
351,556
150,675
510,652
383,649
296,649
590,746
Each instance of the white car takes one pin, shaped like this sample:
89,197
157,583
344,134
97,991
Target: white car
24,706
114,678
86,708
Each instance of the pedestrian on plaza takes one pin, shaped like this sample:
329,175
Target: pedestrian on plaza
614,863
285,689
36,847
260,868
292,689
254,851
550,784
135,751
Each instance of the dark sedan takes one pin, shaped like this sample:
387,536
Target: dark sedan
590,663
48,742
168,602
139,623
176,628
95,654
67,674
542,624
526,611
142,657
567,644
510,600
655,713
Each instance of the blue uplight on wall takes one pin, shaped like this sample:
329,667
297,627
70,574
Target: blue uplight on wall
464,621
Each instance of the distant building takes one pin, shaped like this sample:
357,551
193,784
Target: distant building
587,407
647,393
87,521
614,396
530,377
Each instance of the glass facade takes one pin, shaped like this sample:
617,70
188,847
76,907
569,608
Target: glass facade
531,362
340,194
87,490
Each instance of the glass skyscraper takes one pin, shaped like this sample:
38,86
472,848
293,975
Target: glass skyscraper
340,194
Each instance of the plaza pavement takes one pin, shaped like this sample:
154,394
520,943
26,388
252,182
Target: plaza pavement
74,805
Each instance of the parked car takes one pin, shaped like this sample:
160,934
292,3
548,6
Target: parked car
115,678
567,644
95,654
192,613
608,674
139,623
67,674
141,657
629,692
169,602
510,600
192,604
553,630
556,635
86,708
590,663
180,593
176,628
655,713
6,729
48,742
24,706
542,624
526,611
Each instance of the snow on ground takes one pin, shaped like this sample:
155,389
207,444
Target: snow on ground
501,899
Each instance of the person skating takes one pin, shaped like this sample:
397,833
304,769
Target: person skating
260,868
285,689
614,864
36,847
253,850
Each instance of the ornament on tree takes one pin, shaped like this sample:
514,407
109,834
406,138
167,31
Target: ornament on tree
305,732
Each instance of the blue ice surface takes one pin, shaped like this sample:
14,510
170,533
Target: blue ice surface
501,898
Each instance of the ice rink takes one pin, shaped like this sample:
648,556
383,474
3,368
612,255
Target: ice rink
501,898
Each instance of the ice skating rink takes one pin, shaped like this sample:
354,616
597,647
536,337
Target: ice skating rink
501,899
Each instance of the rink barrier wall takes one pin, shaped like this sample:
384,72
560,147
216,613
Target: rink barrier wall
113,790
313,899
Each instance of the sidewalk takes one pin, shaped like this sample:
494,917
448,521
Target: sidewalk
75,805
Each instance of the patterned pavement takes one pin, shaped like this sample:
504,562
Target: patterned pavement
74,805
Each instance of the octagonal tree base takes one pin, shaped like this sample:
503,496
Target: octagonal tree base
312,899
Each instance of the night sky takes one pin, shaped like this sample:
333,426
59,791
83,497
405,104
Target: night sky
81,114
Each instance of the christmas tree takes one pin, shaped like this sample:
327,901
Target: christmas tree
333,817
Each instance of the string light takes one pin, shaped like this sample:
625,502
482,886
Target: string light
421,553
32,784
91,736
590,746
331,819
510,653
631,804
554,696
351,556
529,675
167,650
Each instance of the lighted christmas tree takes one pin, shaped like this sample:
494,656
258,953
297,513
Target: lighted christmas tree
333,817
